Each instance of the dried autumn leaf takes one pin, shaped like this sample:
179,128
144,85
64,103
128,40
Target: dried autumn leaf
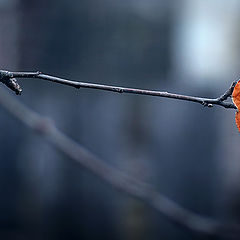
237,119
236,95
236,101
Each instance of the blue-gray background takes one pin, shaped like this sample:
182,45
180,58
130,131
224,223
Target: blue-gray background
190,153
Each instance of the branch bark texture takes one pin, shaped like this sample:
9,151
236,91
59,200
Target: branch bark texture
7,78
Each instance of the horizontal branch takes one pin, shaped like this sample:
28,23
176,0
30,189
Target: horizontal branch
114,177
6,77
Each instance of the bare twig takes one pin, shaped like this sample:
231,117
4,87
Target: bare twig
114,177
6,76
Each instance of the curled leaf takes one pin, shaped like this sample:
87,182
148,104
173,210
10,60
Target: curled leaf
237,119
236,95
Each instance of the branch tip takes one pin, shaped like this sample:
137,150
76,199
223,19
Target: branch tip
8,79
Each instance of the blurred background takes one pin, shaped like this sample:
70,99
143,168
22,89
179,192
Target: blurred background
190,153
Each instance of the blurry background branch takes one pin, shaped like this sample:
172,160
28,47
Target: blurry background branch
8,78
114,177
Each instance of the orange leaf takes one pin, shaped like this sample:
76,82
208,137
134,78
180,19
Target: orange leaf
237,119
236,95
236,101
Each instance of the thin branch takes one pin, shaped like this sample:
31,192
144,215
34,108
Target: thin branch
6,76
114,177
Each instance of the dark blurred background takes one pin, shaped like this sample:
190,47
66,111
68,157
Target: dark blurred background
190,153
